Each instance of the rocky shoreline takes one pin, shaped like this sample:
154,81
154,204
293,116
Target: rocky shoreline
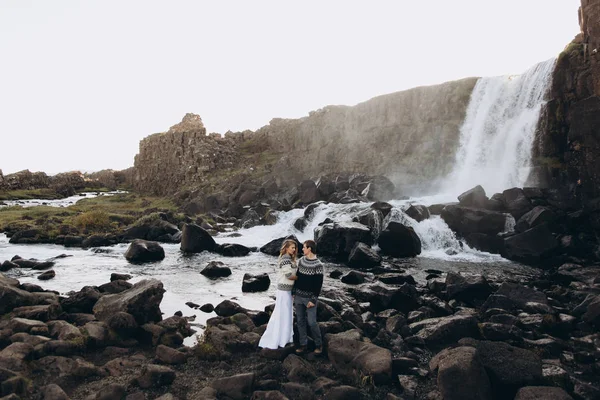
386,337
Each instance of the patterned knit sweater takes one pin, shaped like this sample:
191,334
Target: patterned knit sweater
287,269
310,279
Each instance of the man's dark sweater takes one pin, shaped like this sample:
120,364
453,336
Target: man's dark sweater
310,279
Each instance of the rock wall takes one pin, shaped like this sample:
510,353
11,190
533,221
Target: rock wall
569,142
409,136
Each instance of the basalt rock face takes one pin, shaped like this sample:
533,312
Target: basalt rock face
410,137
183,156
569,143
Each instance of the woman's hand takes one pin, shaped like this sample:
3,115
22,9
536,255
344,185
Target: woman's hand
310,304
293,278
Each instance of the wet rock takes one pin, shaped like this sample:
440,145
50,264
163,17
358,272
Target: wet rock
474,197
144,251
396,279
466,220
409,385
256,283
516,202
398,240
142,301
403,298
268,395
274,246
195,239
363,256
353,278
7,266
371,218
531,246
417,212
227,308
207,308
539,215
216,269
382,206
120,277
14,357
232,250
338,239
62,330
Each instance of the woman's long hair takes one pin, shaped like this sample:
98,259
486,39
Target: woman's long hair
284,246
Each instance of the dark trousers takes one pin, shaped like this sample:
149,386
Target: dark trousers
306,316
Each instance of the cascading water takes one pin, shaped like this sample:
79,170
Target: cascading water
497,135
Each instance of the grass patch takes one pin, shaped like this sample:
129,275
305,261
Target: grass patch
103,214
44,194
93,221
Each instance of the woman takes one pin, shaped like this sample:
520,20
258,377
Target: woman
280,328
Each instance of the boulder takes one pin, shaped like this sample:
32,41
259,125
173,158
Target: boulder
465,220
516,202
542,392
153,375
509,368
467,288
372,218
417,212
232,250
309,193
216,269
353,359
475,197
82,301
142,301
531,246
236,387
539,215
443,330
462,376
194,239
274,246
398,240
363,256
144,251
227,308
337,240
256,283
47,275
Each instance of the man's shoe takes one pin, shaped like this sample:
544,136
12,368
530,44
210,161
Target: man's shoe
300,349
318,351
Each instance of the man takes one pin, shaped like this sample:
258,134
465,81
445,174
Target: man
306,292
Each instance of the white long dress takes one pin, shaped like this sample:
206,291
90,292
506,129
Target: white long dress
280,329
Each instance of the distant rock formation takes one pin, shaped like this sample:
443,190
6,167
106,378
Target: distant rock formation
409,136
569,144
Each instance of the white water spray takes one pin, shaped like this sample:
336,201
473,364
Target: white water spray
497,135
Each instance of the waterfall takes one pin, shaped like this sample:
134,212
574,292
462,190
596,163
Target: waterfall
497,135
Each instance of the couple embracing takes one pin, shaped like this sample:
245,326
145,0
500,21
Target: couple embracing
303,280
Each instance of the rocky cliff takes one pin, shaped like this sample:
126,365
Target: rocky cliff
569,144
409,136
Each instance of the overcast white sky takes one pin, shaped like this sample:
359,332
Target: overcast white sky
82,82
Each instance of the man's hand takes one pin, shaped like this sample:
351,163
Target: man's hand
310,304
